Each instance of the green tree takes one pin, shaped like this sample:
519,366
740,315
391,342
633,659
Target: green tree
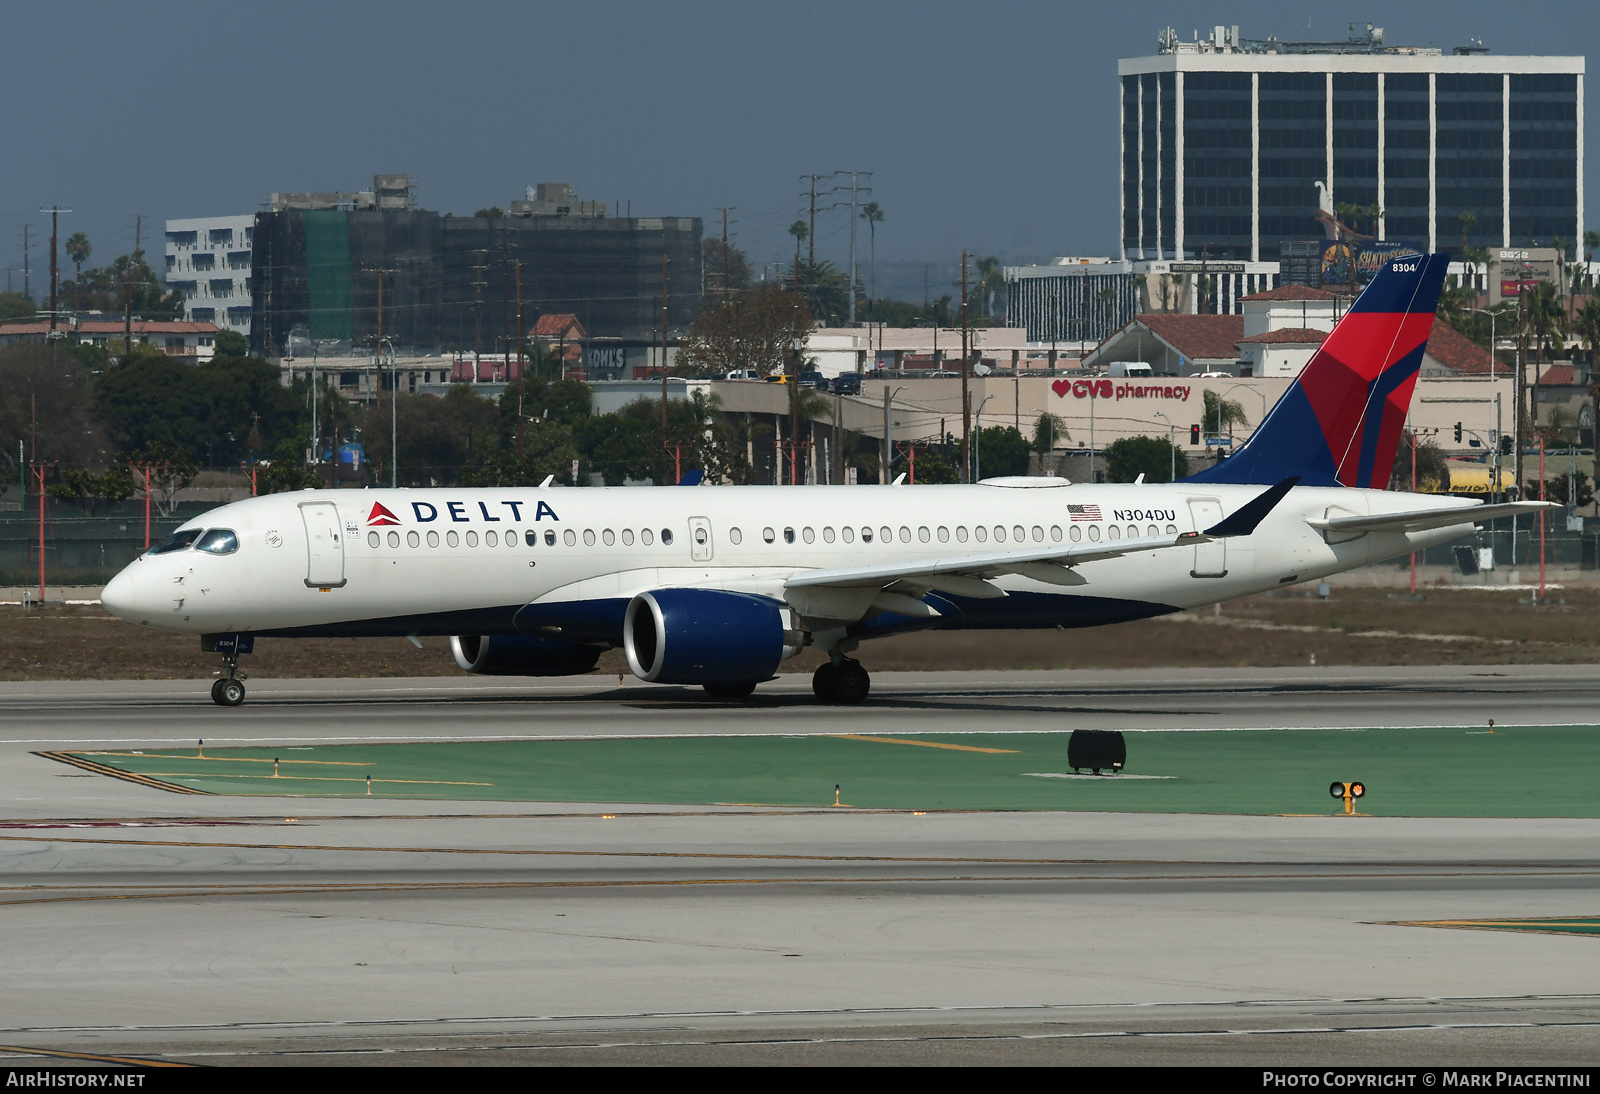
79,249
999,451
1433,466
1152,457
872,213
1048,431
109,288
799,230
825,289
991,283
210,411
936,468
230,343
493,212
723,266
1546,316
91,492
13,305
1221,415
47,399
170,468
1591,240
756,330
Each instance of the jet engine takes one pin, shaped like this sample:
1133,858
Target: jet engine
521,655
703,636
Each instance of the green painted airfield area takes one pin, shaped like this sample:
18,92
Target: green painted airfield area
1533,771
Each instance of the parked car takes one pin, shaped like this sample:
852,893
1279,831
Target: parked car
812,379
847,383
743,374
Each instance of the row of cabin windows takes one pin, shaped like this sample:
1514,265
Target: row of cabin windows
492,538
982,534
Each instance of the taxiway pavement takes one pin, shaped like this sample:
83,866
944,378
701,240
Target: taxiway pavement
273,930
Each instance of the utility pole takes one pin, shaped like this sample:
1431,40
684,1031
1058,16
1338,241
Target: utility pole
394,380
54,211
663,347
127,291
966,399
811,238
888,438
521,338
477,310
505,293
854,215
27,289
726,284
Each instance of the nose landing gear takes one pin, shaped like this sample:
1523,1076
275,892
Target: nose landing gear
841,682
228,691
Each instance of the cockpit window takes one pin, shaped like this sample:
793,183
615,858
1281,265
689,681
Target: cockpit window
177,541
218,541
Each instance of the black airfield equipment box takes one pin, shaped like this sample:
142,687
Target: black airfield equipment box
1097,750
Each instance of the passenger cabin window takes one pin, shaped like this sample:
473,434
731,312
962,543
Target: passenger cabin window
451,539
550,537
627,537
866,535
666,537
981,534
530,536
218,541
491,539
394,538
808,535
961,533
608,537
647,537
570,538
433,539
413,540
848,534
372,539
735,536
588,537
177,541
768,535
788,535
1075,533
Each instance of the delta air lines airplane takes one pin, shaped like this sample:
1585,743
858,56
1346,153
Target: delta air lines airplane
716,585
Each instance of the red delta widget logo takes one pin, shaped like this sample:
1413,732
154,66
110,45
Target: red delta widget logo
380,516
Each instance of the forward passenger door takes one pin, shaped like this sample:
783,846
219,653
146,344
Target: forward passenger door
324,545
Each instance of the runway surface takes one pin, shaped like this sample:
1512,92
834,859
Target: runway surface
209,930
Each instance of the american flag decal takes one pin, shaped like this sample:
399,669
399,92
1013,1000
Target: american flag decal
1084,512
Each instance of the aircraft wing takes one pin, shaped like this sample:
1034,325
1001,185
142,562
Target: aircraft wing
965,574
1421,520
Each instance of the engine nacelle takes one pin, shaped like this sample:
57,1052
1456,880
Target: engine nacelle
521,655
703,636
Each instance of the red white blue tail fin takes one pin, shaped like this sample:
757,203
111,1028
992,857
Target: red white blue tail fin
1339,423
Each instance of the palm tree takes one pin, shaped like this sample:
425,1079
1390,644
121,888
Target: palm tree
1591,240
1222,414
1560,246
799,230
990,278
1546,316
1108,298
872,213
78,249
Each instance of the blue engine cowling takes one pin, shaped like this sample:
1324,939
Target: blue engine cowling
702,636
521,655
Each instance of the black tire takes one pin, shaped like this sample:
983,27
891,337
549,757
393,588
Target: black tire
216,691
730,691
851,683
230,693
824,682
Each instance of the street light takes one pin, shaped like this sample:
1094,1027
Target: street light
1172,449
977,439
1258,394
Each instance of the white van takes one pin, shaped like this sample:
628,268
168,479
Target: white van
1130,368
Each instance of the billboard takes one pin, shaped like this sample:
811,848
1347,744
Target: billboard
1369,257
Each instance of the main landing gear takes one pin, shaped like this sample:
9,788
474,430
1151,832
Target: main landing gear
842,682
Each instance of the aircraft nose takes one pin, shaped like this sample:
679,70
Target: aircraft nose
121,596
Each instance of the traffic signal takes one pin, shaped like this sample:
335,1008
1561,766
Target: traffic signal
1458,433
1194,434
1505,444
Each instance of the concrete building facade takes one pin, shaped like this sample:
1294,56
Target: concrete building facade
1224,142
208,260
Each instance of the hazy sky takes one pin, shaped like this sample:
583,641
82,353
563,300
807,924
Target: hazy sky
988,126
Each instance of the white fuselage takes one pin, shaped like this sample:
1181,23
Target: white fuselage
329,562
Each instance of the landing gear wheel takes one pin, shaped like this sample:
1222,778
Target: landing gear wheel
227,693
824,682
729,691
850,683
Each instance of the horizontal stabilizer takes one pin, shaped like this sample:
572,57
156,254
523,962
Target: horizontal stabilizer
1421,520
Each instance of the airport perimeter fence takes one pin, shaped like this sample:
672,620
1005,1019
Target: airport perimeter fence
79,550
